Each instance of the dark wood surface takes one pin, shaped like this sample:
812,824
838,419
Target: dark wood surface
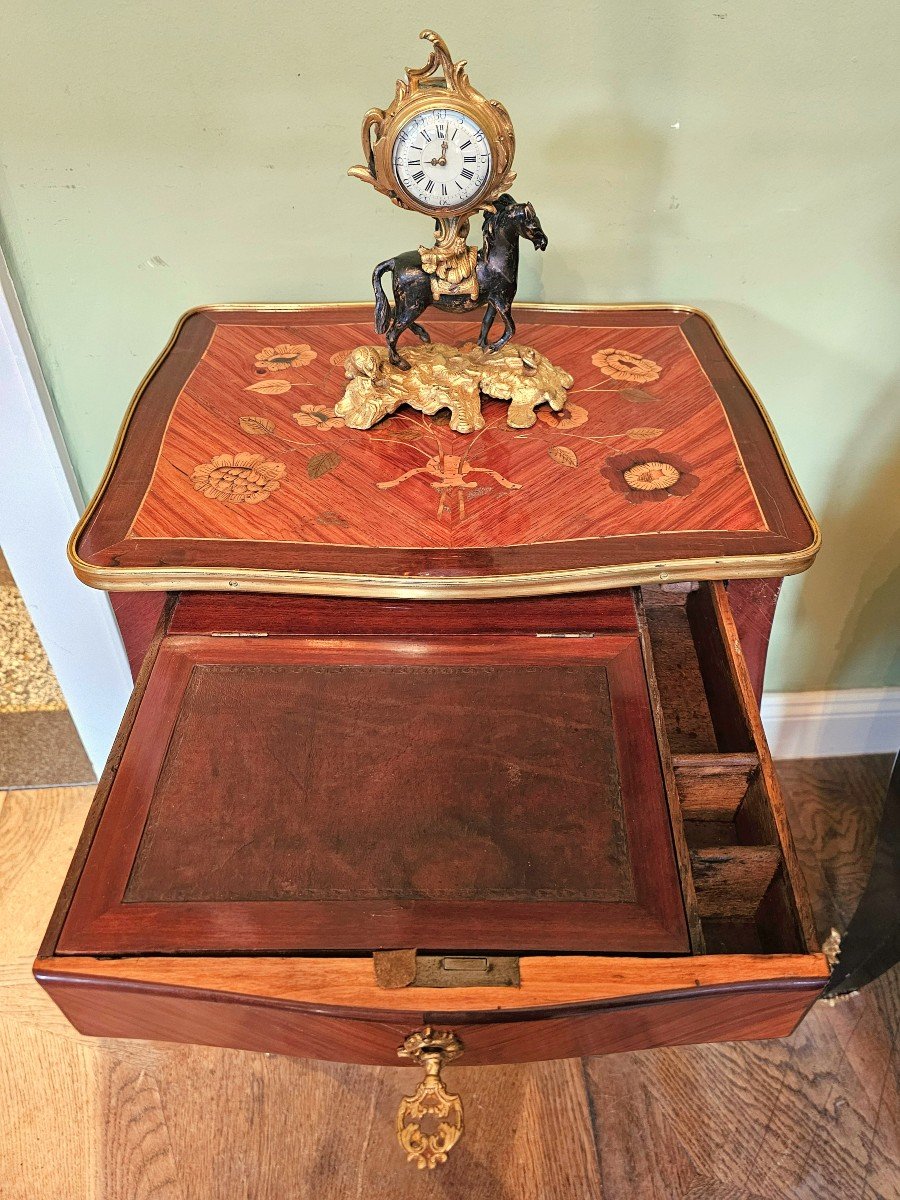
329,514
137,615
469,792
753,603
388,781
815,1116
211,612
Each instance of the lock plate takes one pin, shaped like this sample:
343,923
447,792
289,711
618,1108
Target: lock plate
405,968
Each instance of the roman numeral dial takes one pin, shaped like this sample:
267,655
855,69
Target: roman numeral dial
442,159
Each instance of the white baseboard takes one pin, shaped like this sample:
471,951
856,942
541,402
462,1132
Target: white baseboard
830,724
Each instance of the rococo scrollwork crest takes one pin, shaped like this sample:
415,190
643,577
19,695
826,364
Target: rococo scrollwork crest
419,91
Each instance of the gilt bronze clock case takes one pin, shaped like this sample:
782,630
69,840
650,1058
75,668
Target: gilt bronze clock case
419,92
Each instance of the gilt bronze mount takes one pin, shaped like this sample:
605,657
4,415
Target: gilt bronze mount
431,1101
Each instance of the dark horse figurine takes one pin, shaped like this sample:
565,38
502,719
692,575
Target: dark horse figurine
497,271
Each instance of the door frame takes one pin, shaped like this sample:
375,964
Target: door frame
40,503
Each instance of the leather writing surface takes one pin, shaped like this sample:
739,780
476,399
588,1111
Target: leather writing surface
374,782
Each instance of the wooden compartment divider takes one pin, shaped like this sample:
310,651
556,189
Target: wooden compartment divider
731,881
712,786
741,868
676,814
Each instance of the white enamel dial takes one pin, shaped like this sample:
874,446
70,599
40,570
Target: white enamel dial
442,158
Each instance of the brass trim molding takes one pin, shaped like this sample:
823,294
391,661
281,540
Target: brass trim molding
390,587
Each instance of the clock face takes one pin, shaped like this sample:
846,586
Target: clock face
442,158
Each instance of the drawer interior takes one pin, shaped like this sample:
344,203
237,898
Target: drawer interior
727,809
582,775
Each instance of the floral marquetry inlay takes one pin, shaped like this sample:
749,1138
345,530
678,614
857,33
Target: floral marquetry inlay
635,442
280,358
238,478
650,475
623,364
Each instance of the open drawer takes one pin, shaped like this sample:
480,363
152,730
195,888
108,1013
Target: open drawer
551,825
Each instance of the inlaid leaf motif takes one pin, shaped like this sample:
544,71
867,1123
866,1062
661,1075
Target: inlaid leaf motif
332,518
564,456
270,387
642,433
257,425
408,434
321,464
636,396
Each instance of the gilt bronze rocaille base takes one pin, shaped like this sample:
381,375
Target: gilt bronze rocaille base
451,377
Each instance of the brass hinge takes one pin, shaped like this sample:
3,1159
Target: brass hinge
405,968
240,635
565,635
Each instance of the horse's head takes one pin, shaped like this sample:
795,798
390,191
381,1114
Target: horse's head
518,218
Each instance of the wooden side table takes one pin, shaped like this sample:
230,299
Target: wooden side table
440,737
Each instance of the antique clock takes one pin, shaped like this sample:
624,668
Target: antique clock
441,149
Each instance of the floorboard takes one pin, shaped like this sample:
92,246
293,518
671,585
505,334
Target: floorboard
816,1115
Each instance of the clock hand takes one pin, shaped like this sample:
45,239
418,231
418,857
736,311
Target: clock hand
442,161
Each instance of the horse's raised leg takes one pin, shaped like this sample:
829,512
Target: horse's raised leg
420,331
486,322
509,329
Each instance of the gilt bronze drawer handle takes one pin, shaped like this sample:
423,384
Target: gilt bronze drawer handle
431,1048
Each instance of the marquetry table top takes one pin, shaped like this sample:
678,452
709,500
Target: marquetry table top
232,471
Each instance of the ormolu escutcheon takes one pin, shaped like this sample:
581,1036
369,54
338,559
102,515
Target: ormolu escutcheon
431,1048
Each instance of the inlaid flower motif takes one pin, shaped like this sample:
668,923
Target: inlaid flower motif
279,358
318,415
649,475
571,417
238,478
622,364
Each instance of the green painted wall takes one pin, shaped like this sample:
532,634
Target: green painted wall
740,155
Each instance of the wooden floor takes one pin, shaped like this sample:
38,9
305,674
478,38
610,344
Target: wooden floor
816,1116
